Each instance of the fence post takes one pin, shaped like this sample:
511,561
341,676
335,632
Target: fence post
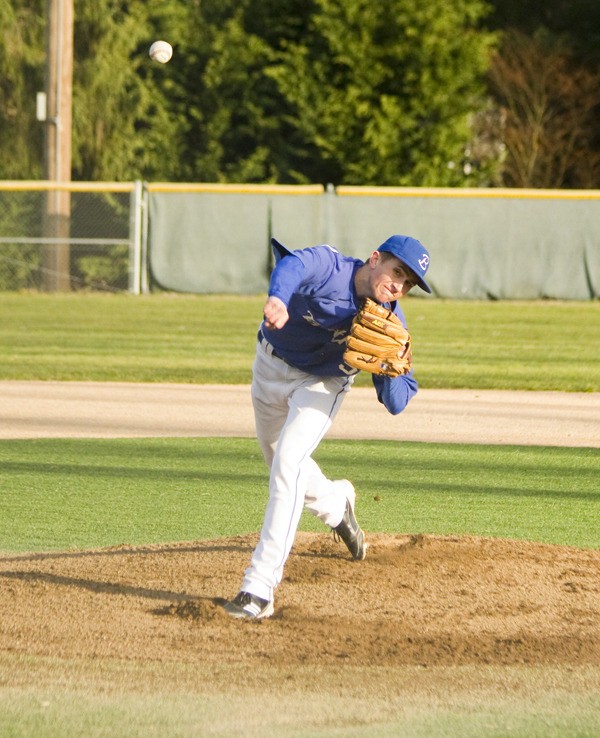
135,239
144,263
329,225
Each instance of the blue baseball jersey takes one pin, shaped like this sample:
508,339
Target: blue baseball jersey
317,286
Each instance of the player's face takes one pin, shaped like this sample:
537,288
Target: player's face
390,279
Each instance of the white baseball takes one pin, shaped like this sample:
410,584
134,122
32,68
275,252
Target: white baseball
161,51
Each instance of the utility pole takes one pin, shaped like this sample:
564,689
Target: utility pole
59,87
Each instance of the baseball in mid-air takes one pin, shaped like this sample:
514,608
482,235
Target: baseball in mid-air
161,51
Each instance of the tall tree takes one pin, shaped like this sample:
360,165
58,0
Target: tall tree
237,117
549,104
569,29
342,91
22,55
228,138
383,92
123,125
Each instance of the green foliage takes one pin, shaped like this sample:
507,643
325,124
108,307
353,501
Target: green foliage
106,271
94,215
100,215
20,265
123,127
383,91
231,107
321,92
21,76
20,217
341,91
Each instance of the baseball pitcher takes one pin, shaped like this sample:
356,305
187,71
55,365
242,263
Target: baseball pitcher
327,316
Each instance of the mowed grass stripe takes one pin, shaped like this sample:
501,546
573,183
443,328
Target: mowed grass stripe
64,494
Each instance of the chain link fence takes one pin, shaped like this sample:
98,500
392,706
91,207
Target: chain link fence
70,236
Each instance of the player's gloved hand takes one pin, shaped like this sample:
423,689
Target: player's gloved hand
378,342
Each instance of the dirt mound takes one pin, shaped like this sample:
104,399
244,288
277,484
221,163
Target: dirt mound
422,600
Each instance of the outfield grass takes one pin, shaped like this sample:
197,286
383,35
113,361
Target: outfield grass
210,339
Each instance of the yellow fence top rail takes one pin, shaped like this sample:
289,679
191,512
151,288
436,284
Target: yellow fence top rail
255,189
468,192
51,186
311,189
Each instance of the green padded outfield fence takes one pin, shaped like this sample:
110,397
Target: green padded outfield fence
210,238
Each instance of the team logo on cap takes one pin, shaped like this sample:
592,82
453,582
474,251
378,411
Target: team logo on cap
424,262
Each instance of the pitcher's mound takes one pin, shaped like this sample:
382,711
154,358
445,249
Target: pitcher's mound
418,600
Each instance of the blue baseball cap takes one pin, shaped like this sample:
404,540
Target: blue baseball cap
412,253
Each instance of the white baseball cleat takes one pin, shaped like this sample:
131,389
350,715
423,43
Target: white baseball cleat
246,605
350,531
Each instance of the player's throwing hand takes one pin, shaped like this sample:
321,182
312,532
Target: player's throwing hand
275,312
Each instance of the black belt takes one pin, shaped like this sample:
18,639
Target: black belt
265,342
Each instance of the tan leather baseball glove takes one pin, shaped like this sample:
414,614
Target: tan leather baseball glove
378,342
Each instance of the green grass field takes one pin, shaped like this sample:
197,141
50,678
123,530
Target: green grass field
183,338
198,339
78,494
64,494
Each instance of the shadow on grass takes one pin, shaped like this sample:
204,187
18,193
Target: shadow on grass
207,547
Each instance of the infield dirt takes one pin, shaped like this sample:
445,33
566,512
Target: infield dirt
415,600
